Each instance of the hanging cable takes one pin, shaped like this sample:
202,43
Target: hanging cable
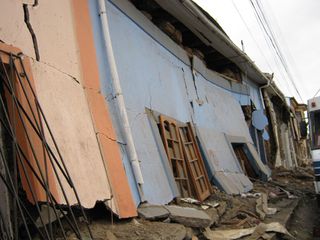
316,93
274,43
251,34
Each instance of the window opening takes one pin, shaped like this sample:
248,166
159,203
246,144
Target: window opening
243,160
315,129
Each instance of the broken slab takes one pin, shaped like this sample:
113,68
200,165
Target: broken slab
189,217
213,214
262,206
153,212
239,233
222,208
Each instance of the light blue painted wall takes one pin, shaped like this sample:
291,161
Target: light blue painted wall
219,114
107,89
254,93
153,77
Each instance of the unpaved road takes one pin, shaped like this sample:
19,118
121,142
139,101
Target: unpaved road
305,221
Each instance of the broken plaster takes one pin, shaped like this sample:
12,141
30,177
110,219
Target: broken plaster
191,107
193,71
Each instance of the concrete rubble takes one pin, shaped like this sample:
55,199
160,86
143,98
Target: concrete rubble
255,232
189,217
263,213
153,212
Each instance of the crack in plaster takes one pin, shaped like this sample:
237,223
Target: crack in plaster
57,69
110,138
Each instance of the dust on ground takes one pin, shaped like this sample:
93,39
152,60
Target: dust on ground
291,193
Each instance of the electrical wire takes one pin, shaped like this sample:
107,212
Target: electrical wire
285,49
275,59
267,29
316,93
252,36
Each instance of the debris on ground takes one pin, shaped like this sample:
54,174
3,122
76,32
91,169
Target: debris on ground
263,213
153,212
255,232
189,217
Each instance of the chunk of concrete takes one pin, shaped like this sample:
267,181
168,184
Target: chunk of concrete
214,215
222,208
189,217
153,212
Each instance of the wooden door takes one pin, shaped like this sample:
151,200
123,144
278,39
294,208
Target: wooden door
173,146
194,162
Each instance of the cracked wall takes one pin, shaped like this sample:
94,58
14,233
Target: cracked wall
161,79
53,26
59,80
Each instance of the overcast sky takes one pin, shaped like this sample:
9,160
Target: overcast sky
296,24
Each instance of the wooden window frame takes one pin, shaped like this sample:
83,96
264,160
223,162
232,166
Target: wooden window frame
179,140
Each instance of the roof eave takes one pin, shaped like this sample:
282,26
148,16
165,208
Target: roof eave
192,17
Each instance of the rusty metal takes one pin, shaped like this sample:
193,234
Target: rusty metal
11,178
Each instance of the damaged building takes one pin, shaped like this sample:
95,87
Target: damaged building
128,102
288,145
176,77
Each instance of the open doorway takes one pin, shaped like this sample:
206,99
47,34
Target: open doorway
243,158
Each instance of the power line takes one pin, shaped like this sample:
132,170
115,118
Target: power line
262,52
275,45
285,49
252,36
268,43
316,93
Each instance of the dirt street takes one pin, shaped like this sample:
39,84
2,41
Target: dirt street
288,200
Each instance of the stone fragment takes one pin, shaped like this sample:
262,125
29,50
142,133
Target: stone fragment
191,234
213,214
189,217
222,208
153,212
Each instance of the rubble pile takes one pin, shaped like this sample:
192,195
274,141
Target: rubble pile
262,213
